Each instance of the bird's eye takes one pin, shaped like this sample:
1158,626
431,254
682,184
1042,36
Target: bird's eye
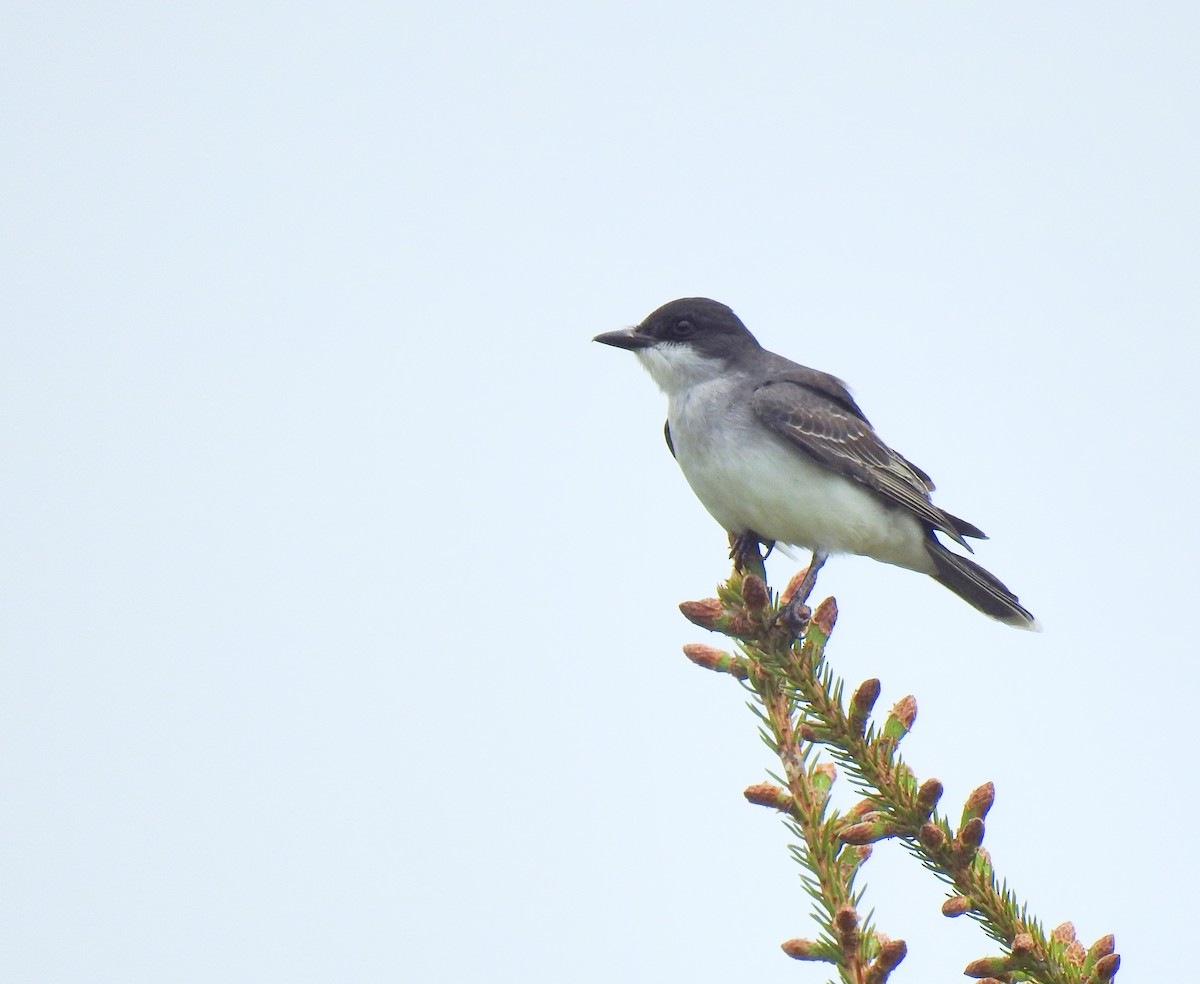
682,329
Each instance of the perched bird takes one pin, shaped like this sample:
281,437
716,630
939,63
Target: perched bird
779,452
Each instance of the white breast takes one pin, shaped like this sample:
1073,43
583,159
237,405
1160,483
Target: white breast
750,479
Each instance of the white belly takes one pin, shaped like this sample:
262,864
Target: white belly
749,479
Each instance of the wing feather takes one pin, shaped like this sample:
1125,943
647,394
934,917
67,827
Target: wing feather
834,432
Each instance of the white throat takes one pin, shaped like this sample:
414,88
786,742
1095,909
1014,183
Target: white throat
677,367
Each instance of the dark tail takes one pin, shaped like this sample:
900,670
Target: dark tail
979,588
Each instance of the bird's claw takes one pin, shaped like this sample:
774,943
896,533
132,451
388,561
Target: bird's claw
743,551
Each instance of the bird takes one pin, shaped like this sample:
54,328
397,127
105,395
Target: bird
779,453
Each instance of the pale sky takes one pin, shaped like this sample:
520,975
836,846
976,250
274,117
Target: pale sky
339,623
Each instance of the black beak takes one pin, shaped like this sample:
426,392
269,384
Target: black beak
626,338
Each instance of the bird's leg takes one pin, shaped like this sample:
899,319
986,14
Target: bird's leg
795,612
743,551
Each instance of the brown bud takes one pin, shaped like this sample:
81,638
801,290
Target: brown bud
755,593
928,795
891,952
980,801
803,949
1104,968
986,967
1064,933
845,922
861,703
768,794
825,616
703,613
905,709
971,833
956,905
702,655
1022,945
827,769
806,732
1076,954
711,658
867,833
1103,947
931,836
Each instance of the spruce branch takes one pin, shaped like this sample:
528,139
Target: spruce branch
802,710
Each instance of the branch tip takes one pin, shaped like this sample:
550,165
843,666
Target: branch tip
971,833
705,614
755,593
717,660
890,955
1106,967
825,616
861,703
979,802
987,967
793,586
804,950
928,795
768,794
1064,933
845,923
931,836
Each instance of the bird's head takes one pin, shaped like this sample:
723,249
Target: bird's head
685,342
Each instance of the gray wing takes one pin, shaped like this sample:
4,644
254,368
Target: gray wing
835,433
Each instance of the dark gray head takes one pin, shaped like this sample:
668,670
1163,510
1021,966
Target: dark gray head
686,341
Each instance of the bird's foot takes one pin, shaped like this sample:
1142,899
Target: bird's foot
794,613
744,552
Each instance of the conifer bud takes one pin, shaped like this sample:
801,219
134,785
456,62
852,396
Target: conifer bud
825,616
971,833
803,950
979,802
987,967
1064,933
900,721
845,922
931,836
704,613
928,795
768,794
755,593
890,954
717,660
861,703
868,832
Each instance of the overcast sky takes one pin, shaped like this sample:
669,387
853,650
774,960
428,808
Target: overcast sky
339,639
